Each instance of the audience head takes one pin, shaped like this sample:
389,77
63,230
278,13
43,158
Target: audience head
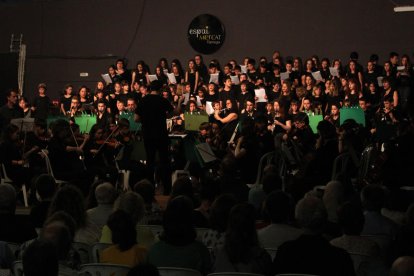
311,214
373,197
105,193
133,204
332,198
351,219
7,199
271,181
59,234
45,187
403,266
220,211
70,199
65,218
183,186
145,189
178,222
40,258
278,207
241,235
123,230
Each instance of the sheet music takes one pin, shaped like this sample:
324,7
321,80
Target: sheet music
106,78
214,78
199,101
284,76
334,71
152,78
209,108
186,98
317,76
260,94
177,135
171,78
243,68
400,68
235,80
379,80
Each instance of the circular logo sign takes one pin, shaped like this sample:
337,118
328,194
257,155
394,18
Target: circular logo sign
206,34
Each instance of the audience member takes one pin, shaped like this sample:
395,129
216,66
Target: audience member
241,251
105,194
15,228
311,253
40,258
125,250
45,188
279,208
178,246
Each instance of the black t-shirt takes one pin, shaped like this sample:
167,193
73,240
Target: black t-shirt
66,102
153,110
42,105
6,114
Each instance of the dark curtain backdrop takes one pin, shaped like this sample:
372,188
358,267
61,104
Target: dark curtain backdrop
65,38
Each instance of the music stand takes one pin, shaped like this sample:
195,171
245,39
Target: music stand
24,124
205,152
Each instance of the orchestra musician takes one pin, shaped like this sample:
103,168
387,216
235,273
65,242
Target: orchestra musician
13,158
35,142
98,151
65,153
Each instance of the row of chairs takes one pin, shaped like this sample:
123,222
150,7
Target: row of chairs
99,269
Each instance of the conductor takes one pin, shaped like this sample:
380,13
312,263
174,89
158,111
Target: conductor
152,111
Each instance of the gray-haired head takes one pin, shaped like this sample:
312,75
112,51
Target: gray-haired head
310,213
132,203
105,193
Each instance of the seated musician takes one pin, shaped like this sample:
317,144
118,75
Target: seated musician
12,156
64,154
98,152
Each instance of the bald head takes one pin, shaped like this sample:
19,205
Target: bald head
403,266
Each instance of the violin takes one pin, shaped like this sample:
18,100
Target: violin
113,143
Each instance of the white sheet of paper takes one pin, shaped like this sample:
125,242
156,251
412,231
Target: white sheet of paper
171,78
334,72
379,80
106,78
235,80
152,78
198,101
186,98
317,76
214,78
209,108
284,76
243,68
400,68
260,94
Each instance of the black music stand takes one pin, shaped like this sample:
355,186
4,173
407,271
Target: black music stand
24,124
